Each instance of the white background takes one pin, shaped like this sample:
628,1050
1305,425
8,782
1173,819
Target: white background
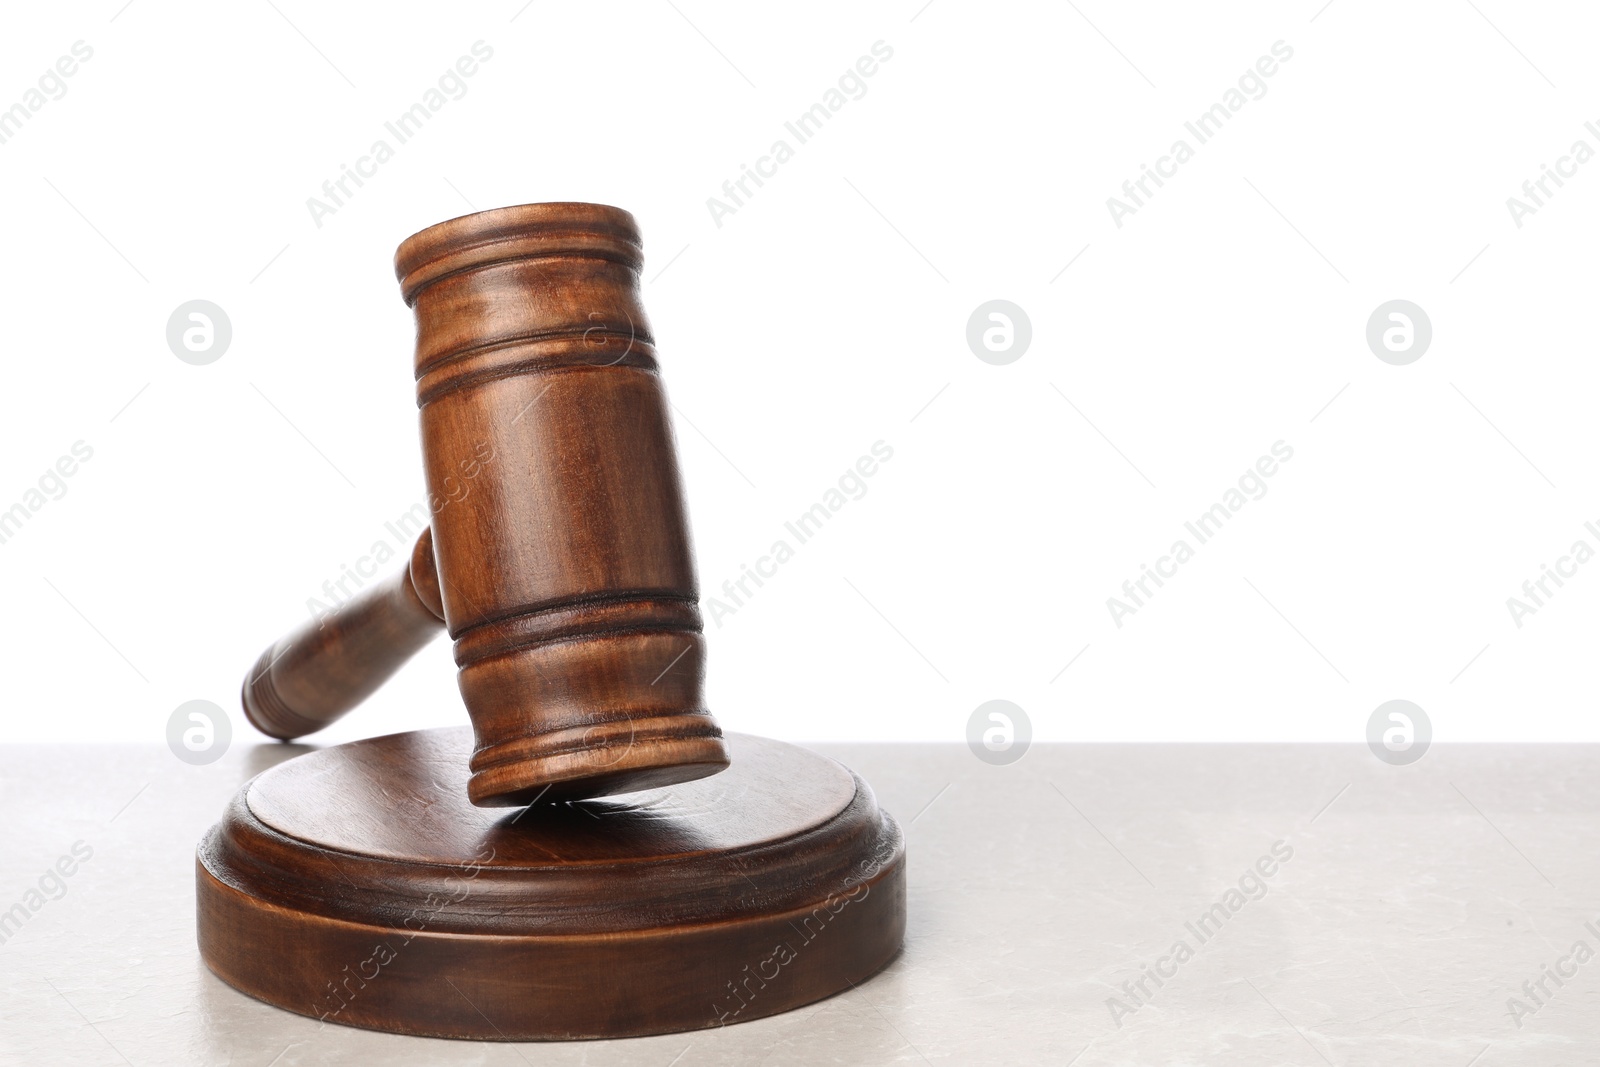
829,313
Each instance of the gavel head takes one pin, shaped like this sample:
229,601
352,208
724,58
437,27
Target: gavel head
559,529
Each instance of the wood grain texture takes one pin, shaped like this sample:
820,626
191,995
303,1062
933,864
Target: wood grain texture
558,553
325,668
560,532
357,884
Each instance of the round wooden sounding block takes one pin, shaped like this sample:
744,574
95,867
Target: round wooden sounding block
358,885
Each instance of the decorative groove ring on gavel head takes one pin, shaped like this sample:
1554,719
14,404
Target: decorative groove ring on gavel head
560,534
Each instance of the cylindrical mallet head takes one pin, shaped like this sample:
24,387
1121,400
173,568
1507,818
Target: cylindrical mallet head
559,527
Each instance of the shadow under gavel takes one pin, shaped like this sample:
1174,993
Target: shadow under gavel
318,672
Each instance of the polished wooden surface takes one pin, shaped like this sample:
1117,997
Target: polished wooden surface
559,556
559,527
358,884
325,668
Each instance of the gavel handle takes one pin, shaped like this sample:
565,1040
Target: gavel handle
326,667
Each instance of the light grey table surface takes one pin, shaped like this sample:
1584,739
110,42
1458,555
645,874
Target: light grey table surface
1416,903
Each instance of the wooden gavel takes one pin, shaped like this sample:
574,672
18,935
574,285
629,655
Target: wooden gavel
562,569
